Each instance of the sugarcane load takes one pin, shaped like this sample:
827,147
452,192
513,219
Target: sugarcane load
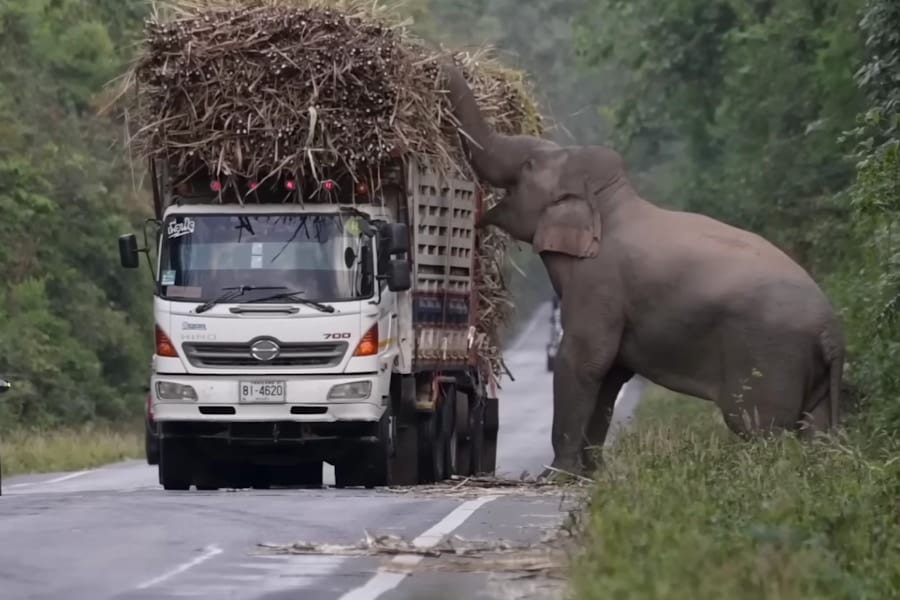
322,293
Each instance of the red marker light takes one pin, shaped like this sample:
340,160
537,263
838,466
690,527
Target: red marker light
253,185
362,189
290,184
215,186
328,185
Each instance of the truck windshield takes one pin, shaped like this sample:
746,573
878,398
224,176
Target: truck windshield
325,257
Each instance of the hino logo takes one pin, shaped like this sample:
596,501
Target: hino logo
264,350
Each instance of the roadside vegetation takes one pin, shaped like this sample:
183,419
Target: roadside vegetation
783,118
68,449
684,510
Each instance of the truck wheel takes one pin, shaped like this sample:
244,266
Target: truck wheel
308,474
405,461
461,437
370,467
549,363
151,448
175,464
491,428
240,474
208,475
305,474
259,477
476,409
433,447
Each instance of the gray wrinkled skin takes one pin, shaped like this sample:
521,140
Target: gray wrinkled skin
690,303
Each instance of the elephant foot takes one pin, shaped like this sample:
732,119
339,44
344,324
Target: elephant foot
592,457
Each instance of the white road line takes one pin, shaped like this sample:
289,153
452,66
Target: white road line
385,580
208,553
54,480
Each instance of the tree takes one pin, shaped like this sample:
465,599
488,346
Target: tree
73,332
743,100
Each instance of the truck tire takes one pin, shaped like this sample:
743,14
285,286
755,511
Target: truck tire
461,436
491,429
434,446
151,448
208,475
476,408
405,467
404,459
371,466
305,474
549,364
308,475
258,477
175,463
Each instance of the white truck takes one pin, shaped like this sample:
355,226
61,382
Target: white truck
302,322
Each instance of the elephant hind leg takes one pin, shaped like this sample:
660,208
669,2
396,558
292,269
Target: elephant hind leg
764,406
598,425
817,417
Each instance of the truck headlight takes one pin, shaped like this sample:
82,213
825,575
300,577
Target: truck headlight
357,390
169,390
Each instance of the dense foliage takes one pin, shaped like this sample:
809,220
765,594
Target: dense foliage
686,511
750,111
74,333
874,278
781,117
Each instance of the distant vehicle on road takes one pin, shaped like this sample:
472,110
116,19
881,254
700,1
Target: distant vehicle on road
4,387
555,334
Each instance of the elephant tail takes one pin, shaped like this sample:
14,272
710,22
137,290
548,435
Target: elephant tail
832,345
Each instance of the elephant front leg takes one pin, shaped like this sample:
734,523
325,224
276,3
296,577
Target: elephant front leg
598,427
578,379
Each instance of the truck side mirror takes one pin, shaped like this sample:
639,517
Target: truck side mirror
128,251
399,276
394,238
4,386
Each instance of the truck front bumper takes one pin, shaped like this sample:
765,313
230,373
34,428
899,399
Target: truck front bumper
306,400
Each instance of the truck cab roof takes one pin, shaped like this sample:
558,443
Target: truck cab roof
374,211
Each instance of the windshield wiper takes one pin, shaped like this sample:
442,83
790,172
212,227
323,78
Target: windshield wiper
233,292
295,297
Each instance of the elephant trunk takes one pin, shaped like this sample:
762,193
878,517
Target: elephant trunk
496,158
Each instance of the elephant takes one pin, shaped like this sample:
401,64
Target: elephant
688,302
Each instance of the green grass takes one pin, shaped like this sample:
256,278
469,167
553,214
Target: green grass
684,510
32,451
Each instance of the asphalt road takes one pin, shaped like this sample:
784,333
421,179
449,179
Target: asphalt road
114,533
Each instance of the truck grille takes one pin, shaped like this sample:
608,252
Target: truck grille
291,355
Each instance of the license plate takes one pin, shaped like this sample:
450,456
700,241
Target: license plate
261,392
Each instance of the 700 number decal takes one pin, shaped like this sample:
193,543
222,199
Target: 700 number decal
337,336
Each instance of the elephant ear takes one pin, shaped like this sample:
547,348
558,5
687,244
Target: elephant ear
569,226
